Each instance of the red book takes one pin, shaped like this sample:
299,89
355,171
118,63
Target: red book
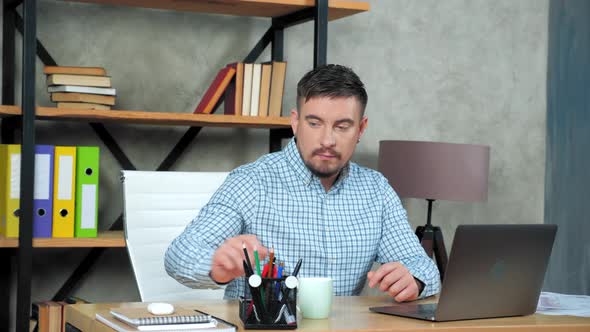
216,89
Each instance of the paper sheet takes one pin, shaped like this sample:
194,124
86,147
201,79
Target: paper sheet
563,304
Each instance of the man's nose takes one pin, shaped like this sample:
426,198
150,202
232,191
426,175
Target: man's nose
328,138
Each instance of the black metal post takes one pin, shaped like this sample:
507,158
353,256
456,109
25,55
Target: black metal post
6,255
8,58
7,136
42,52
431,239
8,65
25,250
179,148
260,46
320,46
112,145
429,216
277,44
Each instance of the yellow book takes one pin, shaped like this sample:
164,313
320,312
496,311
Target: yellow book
82,80
64,191
10,158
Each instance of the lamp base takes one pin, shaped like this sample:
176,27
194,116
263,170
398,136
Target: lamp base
432,241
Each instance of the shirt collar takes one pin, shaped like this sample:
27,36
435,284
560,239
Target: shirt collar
296,161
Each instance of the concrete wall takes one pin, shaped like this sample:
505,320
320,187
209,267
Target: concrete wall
454,71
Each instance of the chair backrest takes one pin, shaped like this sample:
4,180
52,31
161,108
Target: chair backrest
158,206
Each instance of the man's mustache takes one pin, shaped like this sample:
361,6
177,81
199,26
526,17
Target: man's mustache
326,152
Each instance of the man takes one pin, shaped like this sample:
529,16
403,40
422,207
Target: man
309,201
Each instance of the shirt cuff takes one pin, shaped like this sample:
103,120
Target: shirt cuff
427,273
218,283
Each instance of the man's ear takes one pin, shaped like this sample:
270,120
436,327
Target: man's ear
294,120
363,125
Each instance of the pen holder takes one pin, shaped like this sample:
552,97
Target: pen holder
272,305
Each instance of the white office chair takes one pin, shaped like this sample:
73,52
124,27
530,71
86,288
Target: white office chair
158,206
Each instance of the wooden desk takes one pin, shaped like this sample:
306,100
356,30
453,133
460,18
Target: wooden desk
351,314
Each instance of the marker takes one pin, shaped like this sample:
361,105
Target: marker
297,267
257,261
247,256
270,262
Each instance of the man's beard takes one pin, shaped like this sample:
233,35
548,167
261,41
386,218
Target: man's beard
319,173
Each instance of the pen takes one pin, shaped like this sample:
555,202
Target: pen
247,256
247,270
279,276
270,262
297,267
257,261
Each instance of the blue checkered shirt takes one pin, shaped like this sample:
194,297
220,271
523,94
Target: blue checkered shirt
338,234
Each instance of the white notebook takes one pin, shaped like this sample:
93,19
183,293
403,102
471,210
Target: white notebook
82,89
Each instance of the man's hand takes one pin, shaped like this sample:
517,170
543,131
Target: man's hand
227,265
395,279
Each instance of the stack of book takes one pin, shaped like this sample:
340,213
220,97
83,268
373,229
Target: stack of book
80,87
48,316
130,319
251,89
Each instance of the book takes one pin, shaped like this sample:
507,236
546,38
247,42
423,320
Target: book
84,106
255,98
234,92
82,89
264,90
141,316
83,80
277,86
95,71
49,316
215,324
247,92
82,98
215,90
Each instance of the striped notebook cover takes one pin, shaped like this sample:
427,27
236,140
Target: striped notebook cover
140,316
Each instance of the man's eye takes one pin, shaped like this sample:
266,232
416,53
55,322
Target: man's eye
342,127
314,124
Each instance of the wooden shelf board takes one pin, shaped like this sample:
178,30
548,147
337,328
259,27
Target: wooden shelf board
262,8
152,118
104,239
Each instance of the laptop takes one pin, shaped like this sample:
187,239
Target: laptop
493,271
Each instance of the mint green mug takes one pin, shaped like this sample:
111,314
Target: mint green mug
314,297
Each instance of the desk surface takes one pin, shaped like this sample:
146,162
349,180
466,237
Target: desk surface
349,314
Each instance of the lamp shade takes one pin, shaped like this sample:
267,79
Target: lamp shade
433,170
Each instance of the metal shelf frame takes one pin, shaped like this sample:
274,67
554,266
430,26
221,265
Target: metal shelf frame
27,26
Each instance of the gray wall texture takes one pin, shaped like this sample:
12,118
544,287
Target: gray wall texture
454,71
568,160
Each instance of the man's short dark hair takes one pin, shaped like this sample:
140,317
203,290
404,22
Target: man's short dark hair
331,81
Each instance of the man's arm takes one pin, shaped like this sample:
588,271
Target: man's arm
189,257
400,244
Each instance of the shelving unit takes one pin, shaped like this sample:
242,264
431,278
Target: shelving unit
283,14
105,239
151,118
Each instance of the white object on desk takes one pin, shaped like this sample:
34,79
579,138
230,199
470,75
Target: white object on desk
563,304
160,308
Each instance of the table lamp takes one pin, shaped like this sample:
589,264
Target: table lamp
431,171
